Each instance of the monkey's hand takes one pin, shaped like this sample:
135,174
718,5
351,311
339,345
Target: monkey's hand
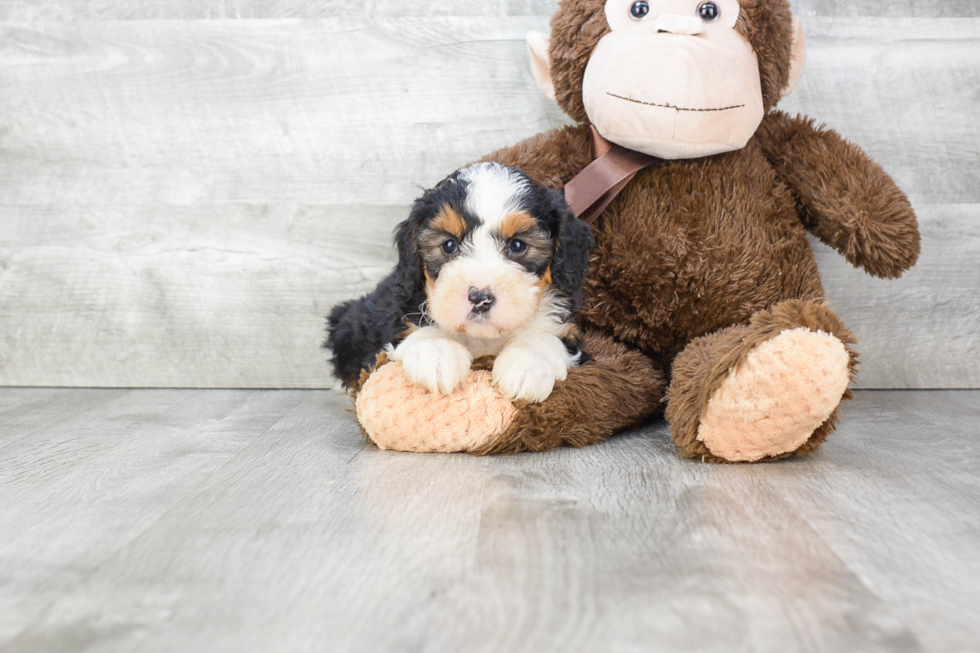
846,199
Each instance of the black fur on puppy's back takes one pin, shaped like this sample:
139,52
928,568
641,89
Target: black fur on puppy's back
359,329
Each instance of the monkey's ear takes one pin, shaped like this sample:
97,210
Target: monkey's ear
797,56
538,45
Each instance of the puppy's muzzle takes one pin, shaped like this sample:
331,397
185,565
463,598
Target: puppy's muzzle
482,300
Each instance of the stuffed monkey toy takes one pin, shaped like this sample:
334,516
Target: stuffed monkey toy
704,302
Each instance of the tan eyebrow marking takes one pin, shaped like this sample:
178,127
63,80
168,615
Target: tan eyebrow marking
450,222
516,223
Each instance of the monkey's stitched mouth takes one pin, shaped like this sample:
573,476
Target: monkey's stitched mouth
671,106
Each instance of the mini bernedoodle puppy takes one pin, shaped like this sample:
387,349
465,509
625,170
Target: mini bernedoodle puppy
490,263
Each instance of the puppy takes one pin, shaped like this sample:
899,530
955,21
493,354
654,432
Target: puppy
490,263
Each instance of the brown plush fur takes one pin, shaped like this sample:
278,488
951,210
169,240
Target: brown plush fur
578,403
697,255
701,368
699,262
575,31
768,26
844,198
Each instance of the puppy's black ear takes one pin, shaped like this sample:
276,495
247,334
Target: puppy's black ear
572,250
406,242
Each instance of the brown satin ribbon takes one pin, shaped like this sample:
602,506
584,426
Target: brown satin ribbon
593,189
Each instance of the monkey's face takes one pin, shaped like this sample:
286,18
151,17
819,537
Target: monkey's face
674,78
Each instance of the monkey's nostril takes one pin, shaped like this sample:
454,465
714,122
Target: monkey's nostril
482,300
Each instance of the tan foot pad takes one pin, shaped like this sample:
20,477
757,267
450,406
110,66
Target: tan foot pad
784,390
397,414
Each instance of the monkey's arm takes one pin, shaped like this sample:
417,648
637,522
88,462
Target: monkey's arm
845,198
551,158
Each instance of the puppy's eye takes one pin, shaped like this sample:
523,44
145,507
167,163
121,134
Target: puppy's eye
517,246
639,10
450,247
709,12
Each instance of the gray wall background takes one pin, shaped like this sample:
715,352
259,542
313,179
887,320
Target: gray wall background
187,186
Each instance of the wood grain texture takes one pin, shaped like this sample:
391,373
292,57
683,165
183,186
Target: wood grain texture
152,295
924,330
120,460
213,521
67,10
184,200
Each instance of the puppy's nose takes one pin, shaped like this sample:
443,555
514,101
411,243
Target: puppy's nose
482,300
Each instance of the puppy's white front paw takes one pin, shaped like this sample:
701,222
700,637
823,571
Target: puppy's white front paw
521,373
437,364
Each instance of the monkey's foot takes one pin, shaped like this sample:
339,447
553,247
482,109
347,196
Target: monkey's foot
762,390
783,391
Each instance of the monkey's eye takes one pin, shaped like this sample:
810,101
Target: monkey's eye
517,247
450,247
640,9
709,12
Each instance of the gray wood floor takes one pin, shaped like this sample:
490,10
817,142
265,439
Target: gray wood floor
165,520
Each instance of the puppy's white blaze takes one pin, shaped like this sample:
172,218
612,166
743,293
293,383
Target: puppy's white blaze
483,248
493,193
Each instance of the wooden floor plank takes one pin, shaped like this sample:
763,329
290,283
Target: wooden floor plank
29,411
62,10
18,402
916,332
300,537
185,200
283,112
211,296
76,492
910,504
192,315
